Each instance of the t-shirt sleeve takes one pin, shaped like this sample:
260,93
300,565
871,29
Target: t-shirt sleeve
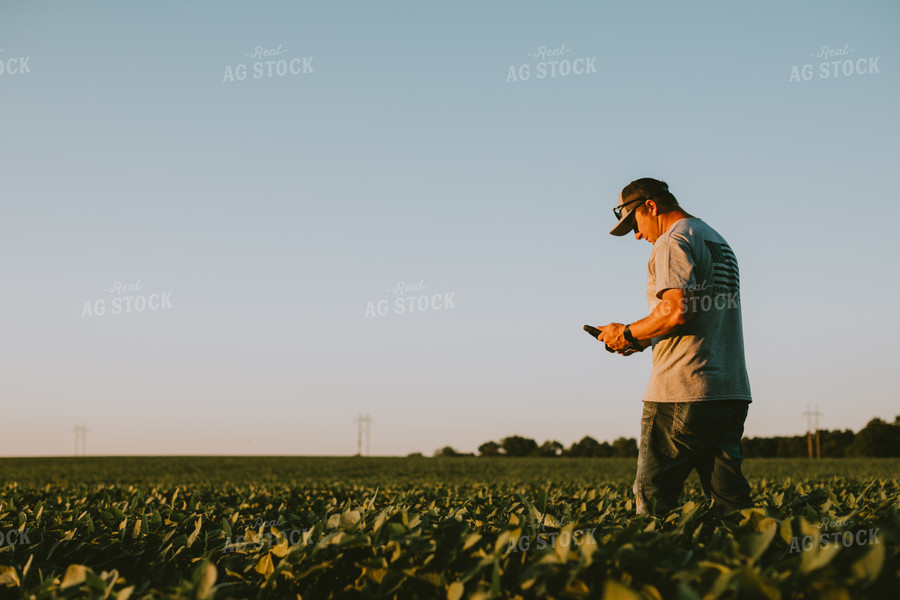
675,267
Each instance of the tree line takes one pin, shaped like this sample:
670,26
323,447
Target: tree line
877,439
516,445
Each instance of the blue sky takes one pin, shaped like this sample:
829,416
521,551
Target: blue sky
272,211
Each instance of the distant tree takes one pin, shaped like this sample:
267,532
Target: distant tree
770,446
625,447
792,447
587,446
836,444
877,439
414,455
753,447
489,449
516,445
762,447
550,448
446,451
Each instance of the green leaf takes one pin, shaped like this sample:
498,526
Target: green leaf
754,586
349,519
762,532
455,591
205,577
8,576
193,537
613,590
125,594
869,566
785,531
334,521
75,575
264,566
817,556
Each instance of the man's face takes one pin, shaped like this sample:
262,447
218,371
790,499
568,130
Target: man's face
645,223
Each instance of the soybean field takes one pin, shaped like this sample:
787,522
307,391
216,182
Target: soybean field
319,528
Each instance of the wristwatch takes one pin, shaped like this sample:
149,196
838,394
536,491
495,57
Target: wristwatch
635,345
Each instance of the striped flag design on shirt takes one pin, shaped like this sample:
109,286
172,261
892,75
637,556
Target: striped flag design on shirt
726,278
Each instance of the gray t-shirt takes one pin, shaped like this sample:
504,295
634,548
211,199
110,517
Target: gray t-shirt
704,359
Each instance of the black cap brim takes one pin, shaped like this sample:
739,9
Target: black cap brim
625,225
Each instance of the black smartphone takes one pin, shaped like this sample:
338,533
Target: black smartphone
594,333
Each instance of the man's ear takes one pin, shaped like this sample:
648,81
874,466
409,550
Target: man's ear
652,208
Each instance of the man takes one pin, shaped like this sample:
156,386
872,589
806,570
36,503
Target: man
697,398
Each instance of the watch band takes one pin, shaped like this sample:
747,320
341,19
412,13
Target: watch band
635,345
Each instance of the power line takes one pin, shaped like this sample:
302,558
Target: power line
81,440
812,424
363,423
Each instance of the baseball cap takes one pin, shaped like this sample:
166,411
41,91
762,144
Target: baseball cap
632,194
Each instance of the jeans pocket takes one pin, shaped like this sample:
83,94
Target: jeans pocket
648,416
680,419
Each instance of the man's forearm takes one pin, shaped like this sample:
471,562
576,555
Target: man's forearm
668,316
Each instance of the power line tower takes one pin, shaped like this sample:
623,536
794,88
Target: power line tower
80,440
363,423
812,421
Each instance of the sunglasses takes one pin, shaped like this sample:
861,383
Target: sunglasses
618,210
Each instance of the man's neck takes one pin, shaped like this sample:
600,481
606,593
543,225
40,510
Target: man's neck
668,220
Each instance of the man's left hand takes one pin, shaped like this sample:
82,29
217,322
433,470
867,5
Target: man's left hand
613,336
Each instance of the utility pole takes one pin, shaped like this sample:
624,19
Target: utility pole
363,423
81,440
812,421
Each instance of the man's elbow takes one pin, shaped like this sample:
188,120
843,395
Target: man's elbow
678,315
675,310
678,319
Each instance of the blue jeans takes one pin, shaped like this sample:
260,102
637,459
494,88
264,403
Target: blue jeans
677,437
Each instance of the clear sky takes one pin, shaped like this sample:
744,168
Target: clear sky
265,218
